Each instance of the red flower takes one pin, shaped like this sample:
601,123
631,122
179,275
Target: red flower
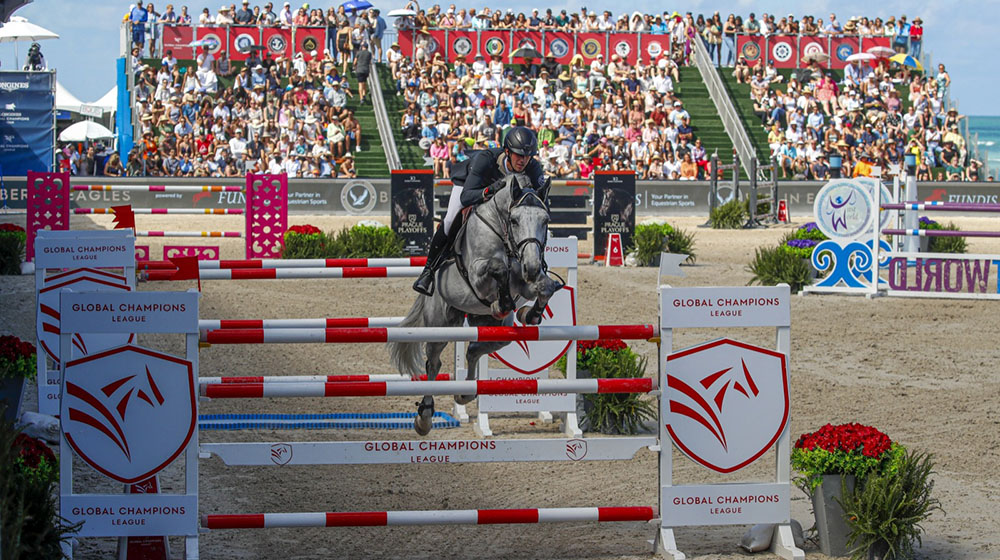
13,348
847,438
11,227
33,451
304,230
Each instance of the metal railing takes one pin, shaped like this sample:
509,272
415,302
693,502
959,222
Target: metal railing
724,105
382,120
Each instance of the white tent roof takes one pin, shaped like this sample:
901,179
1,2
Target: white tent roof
109,102
66,101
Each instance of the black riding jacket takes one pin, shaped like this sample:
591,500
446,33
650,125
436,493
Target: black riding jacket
484,169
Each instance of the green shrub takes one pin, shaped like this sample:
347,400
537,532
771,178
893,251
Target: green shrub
617,413
943,244
774,265
304,242
731,215
30,526
763,205
12,243
651,239
886,509
363,241
587,352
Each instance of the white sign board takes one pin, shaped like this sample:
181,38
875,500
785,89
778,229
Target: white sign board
727,307
131,514
97,249
139,312
725,504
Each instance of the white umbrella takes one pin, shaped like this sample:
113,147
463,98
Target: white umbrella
84,131
881,52
861,56
19,29
401,12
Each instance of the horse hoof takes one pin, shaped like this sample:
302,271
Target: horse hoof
422,425
464,399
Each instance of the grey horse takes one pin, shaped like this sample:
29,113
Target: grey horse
502,249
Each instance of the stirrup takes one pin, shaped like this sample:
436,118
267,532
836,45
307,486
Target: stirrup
424,284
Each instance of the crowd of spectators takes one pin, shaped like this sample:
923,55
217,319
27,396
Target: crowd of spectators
278,115
605,114
873,117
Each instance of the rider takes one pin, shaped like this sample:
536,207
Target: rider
475,181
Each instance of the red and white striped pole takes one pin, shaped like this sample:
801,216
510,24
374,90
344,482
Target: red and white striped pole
347,378
427,334
159,188
320,323
289,273
431,517
198,211
418,388
169,264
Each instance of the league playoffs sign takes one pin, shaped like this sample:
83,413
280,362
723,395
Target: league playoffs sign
614,208
412,208
27,123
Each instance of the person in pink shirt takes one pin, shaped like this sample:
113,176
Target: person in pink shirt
439,153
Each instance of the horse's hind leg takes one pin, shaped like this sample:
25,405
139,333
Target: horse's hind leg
425,407
476,351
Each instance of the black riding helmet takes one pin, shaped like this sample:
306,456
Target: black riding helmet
522,141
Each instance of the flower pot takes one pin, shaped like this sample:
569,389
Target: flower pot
831,525
878,551
925,244
11,393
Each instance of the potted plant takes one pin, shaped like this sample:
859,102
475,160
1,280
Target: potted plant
830,462
12,240
886,508
614,413
940,244
653,238
30,526
304,242
17,364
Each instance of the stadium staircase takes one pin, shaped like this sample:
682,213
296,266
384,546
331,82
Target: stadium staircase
410,154
370,162
704,117
740,96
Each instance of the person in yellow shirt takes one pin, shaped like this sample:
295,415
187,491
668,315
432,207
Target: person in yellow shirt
863,168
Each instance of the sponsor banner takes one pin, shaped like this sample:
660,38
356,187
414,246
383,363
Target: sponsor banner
725,504
27,121
653,46
530,39
752,48
131,515
962,274
405,40
278,41
308,39
614,207
869,42
413,208
625,45
91,249
217,34
726,307
781,49
433,42
494,43
841,48
813,45
241,39
177,38
462,43
560,44
589,45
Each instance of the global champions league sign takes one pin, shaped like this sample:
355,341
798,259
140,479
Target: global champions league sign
27,124
845,212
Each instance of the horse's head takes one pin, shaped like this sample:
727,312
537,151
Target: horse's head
529,226
607,196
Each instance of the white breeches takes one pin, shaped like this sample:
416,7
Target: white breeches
454,207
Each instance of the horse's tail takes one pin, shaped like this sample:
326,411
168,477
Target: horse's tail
408,357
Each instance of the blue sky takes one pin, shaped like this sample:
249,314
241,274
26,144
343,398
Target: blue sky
958,33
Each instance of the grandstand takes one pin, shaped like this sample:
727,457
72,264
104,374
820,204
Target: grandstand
603,93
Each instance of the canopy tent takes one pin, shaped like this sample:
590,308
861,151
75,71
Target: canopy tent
66,101
109,101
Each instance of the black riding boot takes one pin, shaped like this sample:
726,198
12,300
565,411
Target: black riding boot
425,283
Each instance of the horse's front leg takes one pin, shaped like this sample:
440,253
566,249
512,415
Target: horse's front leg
541,291
500,273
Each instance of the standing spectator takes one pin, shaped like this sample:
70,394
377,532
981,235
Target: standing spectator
244,16
285,17
362,68
88,164
378,31
113,167
916,37
138,17
153,19
184,18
